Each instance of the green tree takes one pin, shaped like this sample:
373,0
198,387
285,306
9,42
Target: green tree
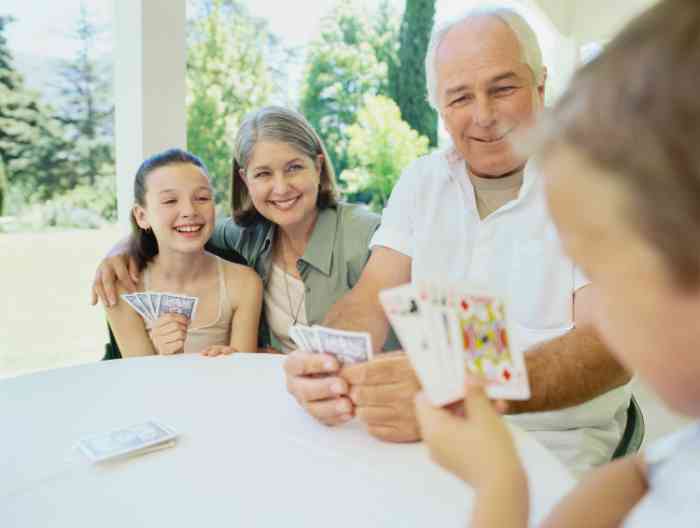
226,78
380,146
32,149
411,93
86,110
349,60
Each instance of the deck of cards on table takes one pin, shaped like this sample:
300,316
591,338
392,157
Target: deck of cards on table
151,305
347,347
445,329
134,440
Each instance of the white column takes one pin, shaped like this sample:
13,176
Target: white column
149,86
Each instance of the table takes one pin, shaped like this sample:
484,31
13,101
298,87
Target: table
248,455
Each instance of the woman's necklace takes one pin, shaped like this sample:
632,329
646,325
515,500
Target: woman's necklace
294,314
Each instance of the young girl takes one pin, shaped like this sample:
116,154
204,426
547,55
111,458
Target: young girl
172,219
621,163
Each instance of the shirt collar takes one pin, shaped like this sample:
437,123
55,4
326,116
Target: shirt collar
319,250
457,169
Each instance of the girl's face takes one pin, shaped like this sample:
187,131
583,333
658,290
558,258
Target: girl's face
649,322
283,183
179,208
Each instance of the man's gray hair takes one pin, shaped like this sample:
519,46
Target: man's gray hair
529,45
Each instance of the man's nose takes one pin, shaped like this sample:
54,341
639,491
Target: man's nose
485,115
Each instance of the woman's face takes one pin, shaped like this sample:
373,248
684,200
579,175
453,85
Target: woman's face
649,322
179,208
283,183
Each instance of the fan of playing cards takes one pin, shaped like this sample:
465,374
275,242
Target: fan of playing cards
151,305
444,329
348,347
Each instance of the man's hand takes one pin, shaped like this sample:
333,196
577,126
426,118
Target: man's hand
169,333
312,380
383,391
118,268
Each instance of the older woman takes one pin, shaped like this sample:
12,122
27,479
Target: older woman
287,223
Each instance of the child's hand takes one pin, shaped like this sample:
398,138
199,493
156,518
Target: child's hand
169,333
478,447
218,350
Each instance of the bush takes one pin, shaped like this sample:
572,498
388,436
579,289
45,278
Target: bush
380,147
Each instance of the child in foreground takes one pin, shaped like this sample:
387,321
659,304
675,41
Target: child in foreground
172,219
620,158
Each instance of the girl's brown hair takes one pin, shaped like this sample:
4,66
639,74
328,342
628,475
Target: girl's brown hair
281,124
635,112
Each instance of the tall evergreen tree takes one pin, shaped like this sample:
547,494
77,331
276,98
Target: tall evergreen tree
87,108
411,94
30,139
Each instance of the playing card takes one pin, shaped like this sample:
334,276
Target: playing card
128,440
310,337
348,347
482,329
181,304
145,299
297,338
155,303
133,300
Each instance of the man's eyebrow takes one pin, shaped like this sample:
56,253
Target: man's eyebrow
457,89
508,76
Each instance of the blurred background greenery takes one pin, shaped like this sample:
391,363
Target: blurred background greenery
360,82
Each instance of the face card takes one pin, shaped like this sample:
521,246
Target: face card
180,304
482,331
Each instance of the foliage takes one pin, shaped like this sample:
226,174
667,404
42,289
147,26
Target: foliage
32,148
411,94
227,78
350,60
380,146
86,111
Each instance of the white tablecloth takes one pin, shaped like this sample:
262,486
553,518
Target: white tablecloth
248,455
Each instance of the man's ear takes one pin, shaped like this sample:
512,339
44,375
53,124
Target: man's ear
139,214
542,84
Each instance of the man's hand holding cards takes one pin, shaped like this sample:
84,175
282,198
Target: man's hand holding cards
347,347
444,330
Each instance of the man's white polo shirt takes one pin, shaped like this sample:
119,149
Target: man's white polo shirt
514,253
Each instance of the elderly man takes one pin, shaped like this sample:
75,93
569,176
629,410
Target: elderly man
475,213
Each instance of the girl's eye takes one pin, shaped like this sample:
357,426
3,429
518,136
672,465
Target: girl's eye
169,201
204,198
296,167
261,174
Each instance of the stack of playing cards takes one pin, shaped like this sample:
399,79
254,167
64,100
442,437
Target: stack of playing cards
348,347
444,329
135,440
151,305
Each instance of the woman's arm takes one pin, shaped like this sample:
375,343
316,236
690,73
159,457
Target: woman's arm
245,288
603,498
129,329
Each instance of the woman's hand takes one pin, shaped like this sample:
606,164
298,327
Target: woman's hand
169,334
477,447
218,350
120,269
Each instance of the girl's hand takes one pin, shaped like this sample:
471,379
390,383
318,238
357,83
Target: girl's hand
169,333
218,350
477,447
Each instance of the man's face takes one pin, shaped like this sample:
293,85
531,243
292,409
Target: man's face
486,93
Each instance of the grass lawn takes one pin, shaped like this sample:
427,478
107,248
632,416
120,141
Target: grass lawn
47,320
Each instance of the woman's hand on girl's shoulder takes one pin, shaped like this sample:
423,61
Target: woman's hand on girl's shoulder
218,350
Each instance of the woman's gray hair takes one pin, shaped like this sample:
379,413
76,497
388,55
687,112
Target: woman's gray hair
277,123
529,45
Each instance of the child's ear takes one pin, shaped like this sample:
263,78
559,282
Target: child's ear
319,163
139,214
